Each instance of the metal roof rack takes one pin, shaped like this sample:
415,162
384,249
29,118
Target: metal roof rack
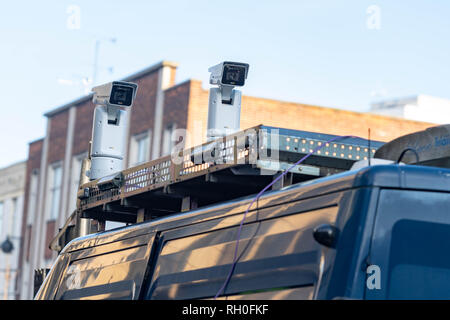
234,166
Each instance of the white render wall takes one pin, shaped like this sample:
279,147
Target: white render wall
12,189
421,108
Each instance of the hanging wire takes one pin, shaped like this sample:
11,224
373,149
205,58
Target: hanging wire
235,258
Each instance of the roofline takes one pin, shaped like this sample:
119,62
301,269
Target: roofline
133,76
363,113
183,83
164,63
36,140
395,100
14,164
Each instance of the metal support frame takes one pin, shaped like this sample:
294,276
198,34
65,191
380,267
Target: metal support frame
224,169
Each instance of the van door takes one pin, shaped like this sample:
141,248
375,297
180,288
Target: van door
410,246
278,257
109,271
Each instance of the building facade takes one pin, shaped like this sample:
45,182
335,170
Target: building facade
12,187
161,106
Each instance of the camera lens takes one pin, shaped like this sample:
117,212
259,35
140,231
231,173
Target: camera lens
121,95
233,75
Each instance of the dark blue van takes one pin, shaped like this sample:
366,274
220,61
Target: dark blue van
381,232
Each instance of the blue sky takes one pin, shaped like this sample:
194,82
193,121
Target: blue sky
317,52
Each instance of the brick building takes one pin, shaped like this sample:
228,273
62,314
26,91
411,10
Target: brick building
160,107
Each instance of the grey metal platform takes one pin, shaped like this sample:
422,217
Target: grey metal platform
237,165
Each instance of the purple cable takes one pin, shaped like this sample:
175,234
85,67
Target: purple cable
230,273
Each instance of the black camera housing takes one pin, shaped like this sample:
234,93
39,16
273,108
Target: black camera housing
122,94
234,73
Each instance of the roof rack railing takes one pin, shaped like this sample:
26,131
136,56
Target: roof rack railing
219,170
234,166
227,168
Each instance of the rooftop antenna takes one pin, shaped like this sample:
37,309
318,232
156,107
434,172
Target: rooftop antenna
224,111
96,51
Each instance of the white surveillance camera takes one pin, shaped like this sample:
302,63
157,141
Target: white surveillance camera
229,73
224,111
110,127
115,94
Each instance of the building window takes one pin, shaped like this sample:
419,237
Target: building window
140,149
13,216
49,235
32,198
55,180
168,142
75,180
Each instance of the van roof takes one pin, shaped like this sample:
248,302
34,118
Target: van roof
384,176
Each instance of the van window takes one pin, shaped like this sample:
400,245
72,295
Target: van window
278,258
410,245
111,271
419,263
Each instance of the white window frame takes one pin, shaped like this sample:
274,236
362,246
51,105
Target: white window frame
13,215
53,210
77,163
135,159
168,143
33,196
